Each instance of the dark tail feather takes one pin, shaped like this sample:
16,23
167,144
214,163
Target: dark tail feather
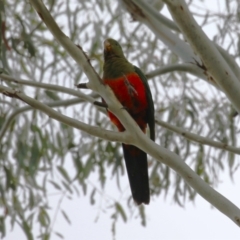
137,169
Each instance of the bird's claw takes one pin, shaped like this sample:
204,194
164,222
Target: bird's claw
125,108
82,85
100,104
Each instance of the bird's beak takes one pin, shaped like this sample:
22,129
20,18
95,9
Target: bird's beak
107,45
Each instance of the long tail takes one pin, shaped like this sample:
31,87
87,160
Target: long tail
137,169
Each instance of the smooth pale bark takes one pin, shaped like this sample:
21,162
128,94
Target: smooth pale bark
160,26
95,131
14,114
133,133
198,138
48,86
187,67
216,68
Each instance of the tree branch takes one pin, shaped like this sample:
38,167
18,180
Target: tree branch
175,162
215,65
61,103
160,25
75,51
197,138
95,131
95,82
228,58
48,87
144,13
136,136
187,67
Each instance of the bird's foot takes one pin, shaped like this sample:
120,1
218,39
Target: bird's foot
100,104
82,85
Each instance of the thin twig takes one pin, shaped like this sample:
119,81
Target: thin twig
10,118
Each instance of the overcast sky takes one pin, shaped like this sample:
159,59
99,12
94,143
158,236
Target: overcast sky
165,219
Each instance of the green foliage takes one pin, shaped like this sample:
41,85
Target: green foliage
40,157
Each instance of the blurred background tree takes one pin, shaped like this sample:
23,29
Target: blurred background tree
40,156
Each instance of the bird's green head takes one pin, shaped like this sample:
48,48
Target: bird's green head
112,49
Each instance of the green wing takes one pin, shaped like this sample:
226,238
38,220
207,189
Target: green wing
150,109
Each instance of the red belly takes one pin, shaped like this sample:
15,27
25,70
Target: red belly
130,91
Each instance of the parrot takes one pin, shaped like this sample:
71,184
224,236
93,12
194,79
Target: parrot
131,88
